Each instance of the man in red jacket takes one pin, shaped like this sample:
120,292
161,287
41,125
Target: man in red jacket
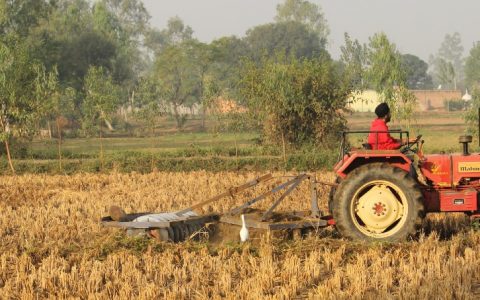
382,140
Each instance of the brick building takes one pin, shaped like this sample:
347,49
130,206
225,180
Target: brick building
435,99
426,100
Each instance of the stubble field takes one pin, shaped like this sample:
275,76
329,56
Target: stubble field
52,246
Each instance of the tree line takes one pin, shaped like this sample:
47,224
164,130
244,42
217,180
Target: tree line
75,63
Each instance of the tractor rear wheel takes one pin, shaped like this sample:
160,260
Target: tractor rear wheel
378,202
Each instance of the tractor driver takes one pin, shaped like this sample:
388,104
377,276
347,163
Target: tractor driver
379,138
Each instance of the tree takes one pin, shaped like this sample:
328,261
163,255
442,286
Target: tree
226,55
58,106
148,102
65,39
125,23
175,34
22,92
304,12
291,37
87,49
101,99
416,72
447,64
149,107
179,79
386,75
471,115
19,17
107,33
132,17
210,95
202,56
354,58
298,101
472,67
446,74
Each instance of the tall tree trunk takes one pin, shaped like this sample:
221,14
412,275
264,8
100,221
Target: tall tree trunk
109,125
153,167
204,112
132,101
5,126
59,130
49,130
101,148
7,147
104,117
177,116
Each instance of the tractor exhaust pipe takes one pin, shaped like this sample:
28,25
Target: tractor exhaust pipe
465,140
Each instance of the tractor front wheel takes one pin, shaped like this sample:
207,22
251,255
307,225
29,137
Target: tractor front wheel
378,202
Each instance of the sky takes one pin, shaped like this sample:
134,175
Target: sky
416,26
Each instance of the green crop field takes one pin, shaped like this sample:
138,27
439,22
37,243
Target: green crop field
192,149
440,132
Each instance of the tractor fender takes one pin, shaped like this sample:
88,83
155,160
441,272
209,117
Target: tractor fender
355,159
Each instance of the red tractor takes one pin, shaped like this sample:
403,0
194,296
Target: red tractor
384,194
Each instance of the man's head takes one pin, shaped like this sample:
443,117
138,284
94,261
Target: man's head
383,111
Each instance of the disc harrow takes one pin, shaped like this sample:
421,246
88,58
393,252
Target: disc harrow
186,224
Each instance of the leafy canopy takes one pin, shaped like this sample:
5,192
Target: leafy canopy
24,89
178,75
447,64
386,75
304,12
472,66
293,38
416,72
101,98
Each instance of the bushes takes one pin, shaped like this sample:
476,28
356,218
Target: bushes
298,102
454,104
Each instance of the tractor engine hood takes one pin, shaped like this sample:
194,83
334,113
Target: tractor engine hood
451,170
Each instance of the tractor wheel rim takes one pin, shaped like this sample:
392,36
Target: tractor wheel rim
379,209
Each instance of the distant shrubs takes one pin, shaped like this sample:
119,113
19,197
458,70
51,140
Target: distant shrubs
454,104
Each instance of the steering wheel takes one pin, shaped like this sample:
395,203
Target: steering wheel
408,147
417,139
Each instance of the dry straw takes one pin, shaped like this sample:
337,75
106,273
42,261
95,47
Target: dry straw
53,247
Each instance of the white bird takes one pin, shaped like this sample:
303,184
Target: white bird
243,231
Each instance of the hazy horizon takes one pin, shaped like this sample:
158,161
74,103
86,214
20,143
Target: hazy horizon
416,27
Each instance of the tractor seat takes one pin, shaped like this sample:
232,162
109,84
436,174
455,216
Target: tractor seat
367,146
